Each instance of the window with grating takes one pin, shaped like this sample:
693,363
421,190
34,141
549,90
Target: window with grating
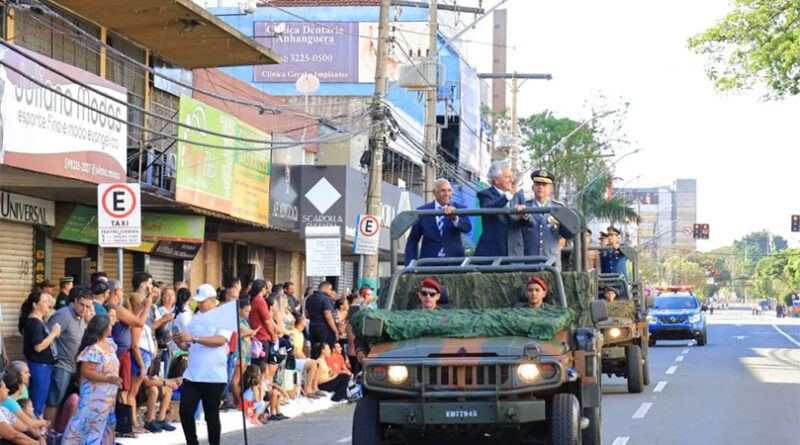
129,75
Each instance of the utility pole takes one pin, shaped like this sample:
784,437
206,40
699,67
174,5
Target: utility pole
377,139
431,136
515,86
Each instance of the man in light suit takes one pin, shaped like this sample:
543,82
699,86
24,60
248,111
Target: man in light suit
502,234
544,238
440,235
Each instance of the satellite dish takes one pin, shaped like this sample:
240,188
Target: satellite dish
307,83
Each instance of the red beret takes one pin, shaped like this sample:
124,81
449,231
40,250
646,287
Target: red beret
431,284
538,281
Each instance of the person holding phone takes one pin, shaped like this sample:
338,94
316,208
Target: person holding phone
502,234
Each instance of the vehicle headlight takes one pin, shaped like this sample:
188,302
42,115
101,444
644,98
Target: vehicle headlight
549,371
651,319
614,332
378,373
694,318
527,372
397,374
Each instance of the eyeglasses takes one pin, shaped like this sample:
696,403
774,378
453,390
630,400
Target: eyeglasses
426,293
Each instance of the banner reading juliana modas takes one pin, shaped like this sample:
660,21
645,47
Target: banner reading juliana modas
44,131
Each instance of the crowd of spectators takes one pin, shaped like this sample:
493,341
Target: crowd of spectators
103,361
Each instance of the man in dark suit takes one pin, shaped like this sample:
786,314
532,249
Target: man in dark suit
502,234
440,235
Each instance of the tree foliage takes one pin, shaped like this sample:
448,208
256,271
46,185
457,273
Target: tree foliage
758,43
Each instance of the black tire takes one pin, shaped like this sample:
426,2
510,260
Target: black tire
703,339
593,435
646,365
633,365
651,342
366,423
565,422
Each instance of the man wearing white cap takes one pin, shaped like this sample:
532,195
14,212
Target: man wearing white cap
206,372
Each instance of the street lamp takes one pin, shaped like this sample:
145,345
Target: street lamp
623,186
601,174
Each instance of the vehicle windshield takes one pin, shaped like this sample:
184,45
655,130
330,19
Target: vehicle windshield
675,302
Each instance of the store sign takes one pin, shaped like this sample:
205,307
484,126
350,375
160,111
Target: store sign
323,251
176,250
322,201
72,139
80,226
335,52
233,180
284,197
28,210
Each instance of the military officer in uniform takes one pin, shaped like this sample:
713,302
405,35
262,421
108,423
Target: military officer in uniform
65,285
544,237
613,261
603,239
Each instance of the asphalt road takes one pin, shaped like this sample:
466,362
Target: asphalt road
743,387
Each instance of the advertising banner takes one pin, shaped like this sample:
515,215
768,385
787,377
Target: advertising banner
71,140
469,154
234,181
325,49
26,209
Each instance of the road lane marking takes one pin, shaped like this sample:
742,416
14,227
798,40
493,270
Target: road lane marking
660,386
346,439
788,337
679,358
642,411
741,337
685,351
620,440
672,370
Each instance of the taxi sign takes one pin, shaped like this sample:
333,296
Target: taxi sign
367,235
119,216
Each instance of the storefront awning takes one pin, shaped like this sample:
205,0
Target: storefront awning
178,30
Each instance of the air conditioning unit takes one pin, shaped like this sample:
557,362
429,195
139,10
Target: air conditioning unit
421,76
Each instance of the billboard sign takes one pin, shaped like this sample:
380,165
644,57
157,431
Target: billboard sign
284,197
233,180
71,140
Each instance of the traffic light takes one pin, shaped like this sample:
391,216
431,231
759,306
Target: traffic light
795,223
700,231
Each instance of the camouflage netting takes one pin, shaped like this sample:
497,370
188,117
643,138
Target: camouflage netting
621,308
483,306
542,323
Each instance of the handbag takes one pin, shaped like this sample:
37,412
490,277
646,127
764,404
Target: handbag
124,415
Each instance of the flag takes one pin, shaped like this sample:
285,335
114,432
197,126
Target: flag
224,316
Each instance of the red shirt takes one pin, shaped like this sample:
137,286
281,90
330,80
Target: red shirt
335,362
259,314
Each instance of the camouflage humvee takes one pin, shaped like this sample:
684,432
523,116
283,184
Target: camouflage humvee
626,332
482,367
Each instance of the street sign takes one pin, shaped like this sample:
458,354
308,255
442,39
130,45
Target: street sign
687,231
119,215
366,239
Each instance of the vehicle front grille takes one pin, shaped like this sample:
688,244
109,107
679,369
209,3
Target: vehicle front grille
470,377
673,320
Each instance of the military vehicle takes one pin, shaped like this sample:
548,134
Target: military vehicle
625,334
483,367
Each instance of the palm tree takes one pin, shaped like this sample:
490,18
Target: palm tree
592,202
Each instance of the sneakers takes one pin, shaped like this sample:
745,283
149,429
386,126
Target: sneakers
276,417
227,405
164,425
152,427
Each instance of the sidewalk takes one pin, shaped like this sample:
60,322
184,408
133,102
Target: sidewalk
231,421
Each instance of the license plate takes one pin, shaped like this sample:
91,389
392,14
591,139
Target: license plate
460,413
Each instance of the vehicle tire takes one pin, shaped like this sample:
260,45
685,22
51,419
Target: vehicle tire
366,423
646,365
633,355
565,413
593,435
703,339
651,342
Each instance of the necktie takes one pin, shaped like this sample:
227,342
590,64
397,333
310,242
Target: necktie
440,223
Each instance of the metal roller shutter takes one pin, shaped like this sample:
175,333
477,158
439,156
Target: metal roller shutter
347,278
61,251
16,279
283,262
162,269
269,264
110,266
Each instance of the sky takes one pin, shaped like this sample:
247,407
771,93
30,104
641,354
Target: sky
742,150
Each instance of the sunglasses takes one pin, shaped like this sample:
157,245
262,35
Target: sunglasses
426,293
